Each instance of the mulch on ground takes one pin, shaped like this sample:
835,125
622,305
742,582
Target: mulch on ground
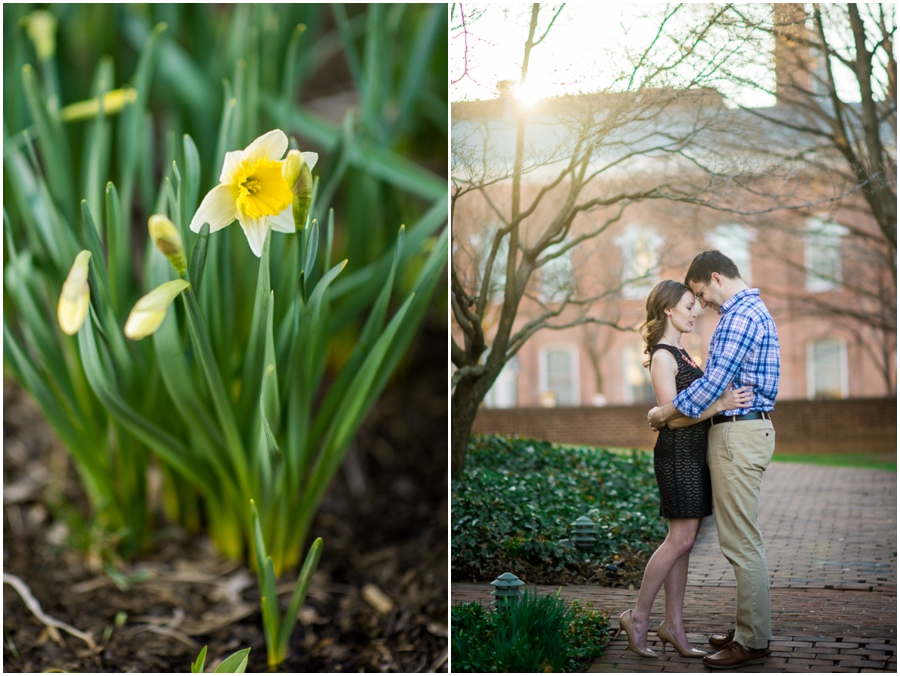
377,603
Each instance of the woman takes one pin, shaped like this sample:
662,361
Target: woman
679,459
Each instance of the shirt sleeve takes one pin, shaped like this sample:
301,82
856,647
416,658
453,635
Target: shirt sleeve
737,336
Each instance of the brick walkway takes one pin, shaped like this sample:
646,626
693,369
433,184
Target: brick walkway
831,541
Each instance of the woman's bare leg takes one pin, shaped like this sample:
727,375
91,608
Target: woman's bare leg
678,544
675,585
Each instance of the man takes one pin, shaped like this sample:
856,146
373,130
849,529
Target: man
744,351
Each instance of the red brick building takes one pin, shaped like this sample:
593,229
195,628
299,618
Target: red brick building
805,263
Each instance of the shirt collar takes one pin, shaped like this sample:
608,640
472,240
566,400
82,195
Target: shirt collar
737,298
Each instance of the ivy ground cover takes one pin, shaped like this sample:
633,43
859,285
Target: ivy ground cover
513,508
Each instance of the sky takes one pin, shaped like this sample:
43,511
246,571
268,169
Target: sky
584,51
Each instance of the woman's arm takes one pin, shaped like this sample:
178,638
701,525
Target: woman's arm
728,401
663,369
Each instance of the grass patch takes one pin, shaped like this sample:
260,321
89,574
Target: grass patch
886,461
540,633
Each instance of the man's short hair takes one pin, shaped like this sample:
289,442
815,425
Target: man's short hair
708,262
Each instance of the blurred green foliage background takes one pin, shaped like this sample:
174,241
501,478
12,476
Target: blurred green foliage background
365,86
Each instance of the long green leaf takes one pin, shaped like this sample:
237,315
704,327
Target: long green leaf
221,403
417,63
303,363
287,87
254,353
367,338
53,142
266,576
118,239
190,185
423,288
99,481
96,142
299,595
198,258
234,664
349,416
169,448
200,662
380,162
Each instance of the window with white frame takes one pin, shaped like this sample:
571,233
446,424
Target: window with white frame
638,387
734,240
640,247
826,369
559,374
823,255
504,392
557,274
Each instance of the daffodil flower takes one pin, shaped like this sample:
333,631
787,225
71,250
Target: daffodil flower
148,313
252,190
75,297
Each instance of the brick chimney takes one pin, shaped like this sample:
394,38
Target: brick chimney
794,63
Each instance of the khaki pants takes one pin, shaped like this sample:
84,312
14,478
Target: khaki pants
738,454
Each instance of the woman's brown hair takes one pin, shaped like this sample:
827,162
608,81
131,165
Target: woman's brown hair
666,294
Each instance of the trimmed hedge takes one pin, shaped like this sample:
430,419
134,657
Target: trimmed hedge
513,508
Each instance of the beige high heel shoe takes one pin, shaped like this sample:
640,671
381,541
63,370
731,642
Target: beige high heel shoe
663,632
625,625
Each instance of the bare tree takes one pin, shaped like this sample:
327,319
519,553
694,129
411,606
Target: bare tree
826,152
531,187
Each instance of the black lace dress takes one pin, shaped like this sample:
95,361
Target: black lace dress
679,456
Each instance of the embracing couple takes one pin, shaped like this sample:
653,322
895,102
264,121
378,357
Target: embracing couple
715,441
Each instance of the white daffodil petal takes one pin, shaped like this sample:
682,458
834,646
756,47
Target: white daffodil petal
310,158
283,222
256,230
230,166
273,145
218,208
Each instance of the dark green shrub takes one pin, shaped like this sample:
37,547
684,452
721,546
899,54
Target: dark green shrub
514,504
539,633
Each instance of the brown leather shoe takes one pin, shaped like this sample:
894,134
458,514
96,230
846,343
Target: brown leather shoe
719,641
735,655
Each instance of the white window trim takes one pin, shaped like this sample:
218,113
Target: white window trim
576,372
823,229
810,367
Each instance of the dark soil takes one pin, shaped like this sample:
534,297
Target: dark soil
378,602
629,570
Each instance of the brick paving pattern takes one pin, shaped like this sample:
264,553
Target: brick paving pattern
831,542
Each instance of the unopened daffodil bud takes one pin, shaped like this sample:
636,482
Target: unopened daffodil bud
113,102
168,240
40,26
75,297
148,313
297,171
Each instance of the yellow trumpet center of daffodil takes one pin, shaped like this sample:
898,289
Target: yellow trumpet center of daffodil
261,189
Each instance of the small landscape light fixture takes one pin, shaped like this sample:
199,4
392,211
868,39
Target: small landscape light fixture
506,591
611,571
585,533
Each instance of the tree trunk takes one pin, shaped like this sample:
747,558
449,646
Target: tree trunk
467,396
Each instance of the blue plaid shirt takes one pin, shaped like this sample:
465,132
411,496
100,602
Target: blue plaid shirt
743,350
